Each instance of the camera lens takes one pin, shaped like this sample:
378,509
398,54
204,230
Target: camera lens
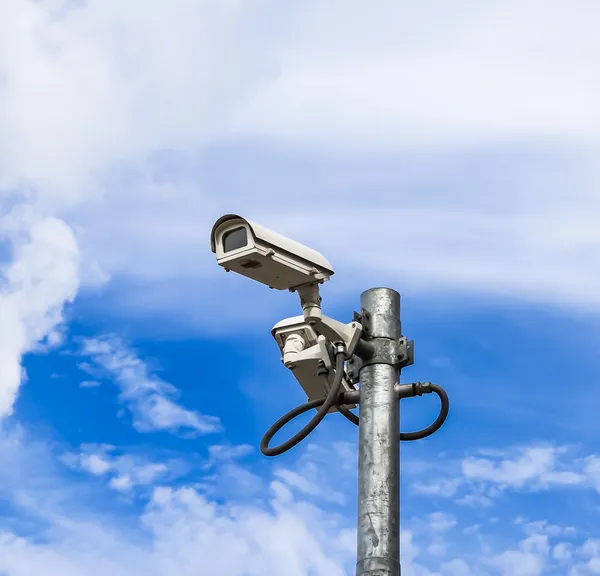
235,239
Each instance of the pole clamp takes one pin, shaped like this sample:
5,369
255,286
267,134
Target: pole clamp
405,352
398,353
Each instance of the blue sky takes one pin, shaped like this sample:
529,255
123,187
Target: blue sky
448,152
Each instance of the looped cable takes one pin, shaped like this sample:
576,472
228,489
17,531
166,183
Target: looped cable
325,404
335,398
419,434
439,421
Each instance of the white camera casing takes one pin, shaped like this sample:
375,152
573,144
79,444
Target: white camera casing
302,351
266,256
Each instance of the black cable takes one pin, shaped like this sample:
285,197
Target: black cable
341,409
325,405
439,421
419,434
334,398
348,415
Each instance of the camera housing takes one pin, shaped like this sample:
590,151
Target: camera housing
266,256
306,354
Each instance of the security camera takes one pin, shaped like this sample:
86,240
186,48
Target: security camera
294,329
308,355
272,259
265,256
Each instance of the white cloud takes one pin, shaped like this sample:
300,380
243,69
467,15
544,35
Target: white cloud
90,91
90,384
544,527
179,530
455,568
534,464
85,90
592,470
445,488
562,552
530,558
111,83
93,93
41,277
295,480
95,464
114,84
519,563
124,471
218,452
589,553
411,75
151,400
228,469
190,533
183,530
475,500
591,548
441,522
479,481
121,483
309,476
293,535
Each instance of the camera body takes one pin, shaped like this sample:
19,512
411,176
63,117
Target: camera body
308,356
266,256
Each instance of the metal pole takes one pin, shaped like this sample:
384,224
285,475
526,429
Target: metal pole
379,443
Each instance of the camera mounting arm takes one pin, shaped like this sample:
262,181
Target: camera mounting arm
332,330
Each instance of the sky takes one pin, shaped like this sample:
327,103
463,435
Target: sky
450,151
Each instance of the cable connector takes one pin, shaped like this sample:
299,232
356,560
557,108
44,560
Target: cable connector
340,348
414,389
421,388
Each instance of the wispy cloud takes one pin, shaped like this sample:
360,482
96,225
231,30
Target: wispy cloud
99,115
532,237
122,471
151,400
186,530
94,94
182,530
219,453
480,480
404,77
313,475
90,384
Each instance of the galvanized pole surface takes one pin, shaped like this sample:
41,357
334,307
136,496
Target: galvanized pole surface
379,443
